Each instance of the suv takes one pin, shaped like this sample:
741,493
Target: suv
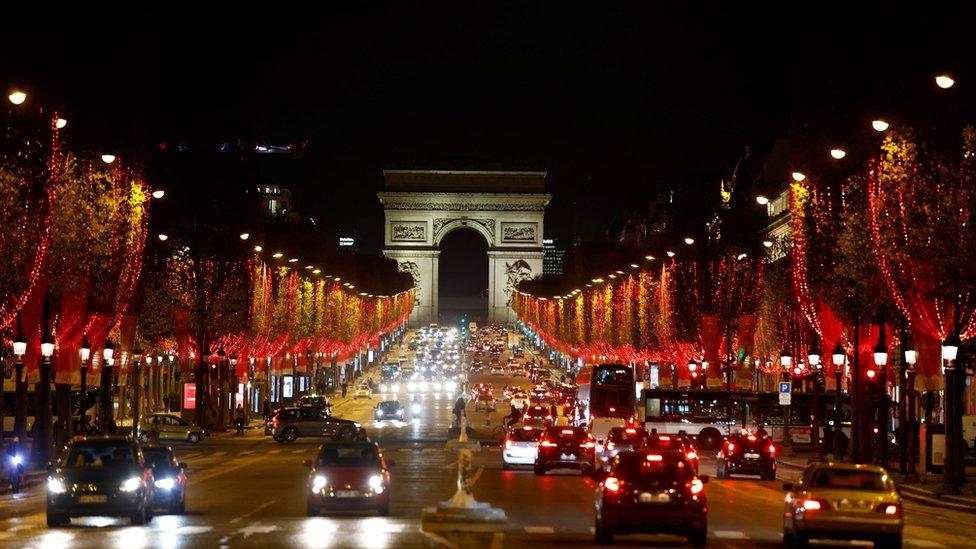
651,492
565,447
747,454
100,476
288,424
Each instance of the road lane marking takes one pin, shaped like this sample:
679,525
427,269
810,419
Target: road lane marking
256,528
297,451
275,451
251,512
730,534
539,530
246,452
923,543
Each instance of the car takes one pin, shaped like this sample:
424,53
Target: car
289,424
654,493
520,400
537,415
484,401
497,370
565,447
843,501
620,439
315,401
348,476
100,476
390,387
170,427
169,479
520,447
388,410
746,454
363,391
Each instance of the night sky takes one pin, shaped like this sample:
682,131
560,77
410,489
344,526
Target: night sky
616,103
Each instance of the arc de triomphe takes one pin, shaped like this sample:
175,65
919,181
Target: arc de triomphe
506,208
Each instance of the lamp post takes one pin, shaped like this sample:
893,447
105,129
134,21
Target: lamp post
838,357
105,390
786,360
693,372
233,380
953,469
43,441
910,427
308,363
20,399
136,391
221,388
816,368
85,353
880,360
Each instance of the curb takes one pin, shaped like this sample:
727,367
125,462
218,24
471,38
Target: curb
919,495
31,478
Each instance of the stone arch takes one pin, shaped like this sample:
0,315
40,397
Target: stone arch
480,226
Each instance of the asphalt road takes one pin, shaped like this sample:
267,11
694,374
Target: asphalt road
249,492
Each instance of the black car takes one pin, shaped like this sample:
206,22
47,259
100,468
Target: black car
169,479
565,446
388,410
650,492
620,439
100,476
747,454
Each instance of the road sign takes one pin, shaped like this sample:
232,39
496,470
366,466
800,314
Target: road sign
785,387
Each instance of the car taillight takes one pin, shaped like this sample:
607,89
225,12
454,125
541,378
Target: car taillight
772,449
655,457
612,484
566,431
547,443
589,444
697,486
664,438
813,505
731,447
890,509
508,444
631,431
692,455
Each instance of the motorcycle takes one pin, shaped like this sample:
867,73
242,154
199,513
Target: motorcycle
16,471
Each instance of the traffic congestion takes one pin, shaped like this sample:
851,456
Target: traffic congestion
560,450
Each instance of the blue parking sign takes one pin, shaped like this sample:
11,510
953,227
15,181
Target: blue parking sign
785,387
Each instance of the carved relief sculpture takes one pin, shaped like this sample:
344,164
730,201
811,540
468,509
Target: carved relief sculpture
409,232
515,272
518,232
414,270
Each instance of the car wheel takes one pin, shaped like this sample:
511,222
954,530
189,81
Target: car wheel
179,508
889,542
313,511
698,538
277,438
290,434
55,519
139,517
539,469
709,439
193,438
801,541
505,466
602,535
346,433
149,513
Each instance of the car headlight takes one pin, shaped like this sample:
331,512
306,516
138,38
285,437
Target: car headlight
131,484
379,413
383,388
56,486
318,483
411,386
164,483
436,386
395,388
376,483
423,385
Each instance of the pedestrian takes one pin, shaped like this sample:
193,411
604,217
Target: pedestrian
15,464
239,420
553,412
266,408
166,402
459,405
345,387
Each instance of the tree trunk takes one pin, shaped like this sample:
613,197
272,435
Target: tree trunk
20,402
62,398
856,411
105,399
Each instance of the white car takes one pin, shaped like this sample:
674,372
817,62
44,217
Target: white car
520,400
497,371
363,391
521,446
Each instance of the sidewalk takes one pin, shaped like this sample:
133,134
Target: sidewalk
926,493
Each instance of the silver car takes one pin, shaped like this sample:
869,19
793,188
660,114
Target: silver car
288,424
843,501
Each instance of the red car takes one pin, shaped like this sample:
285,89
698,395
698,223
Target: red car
570,447
349,476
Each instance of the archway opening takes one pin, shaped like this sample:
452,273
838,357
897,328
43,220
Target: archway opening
463,277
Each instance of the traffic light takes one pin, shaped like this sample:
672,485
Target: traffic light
463,322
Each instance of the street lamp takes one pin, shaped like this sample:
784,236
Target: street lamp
158,193
786,360
798,176
879,125
20,400
60,123
953,468
944,81
108,158
43,442
105,389
838,357
762,200
85,357
880,360
136,396
17,97
813,359
838,153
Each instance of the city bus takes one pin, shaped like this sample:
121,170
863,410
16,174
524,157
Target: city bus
606,397
711,414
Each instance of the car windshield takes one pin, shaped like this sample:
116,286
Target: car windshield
389,406
83,456
349,455
156,457
624,436
850,479
651,467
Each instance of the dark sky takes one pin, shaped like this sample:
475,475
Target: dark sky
615,102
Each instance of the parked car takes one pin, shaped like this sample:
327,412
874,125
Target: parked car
843,501
100,476
289,424
169,479
171,427
346,476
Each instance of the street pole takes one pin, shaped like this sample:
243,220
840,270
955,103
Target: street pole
786,360
911,439
813,359
43,441
954,473
136,392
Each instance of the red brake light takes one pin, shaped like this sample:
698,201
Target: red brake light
567,431
655,457
692,455
664,438
587,445
731,447
612,409
546,443
772,449
631,431
890,509
612,484
508,444
697,486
